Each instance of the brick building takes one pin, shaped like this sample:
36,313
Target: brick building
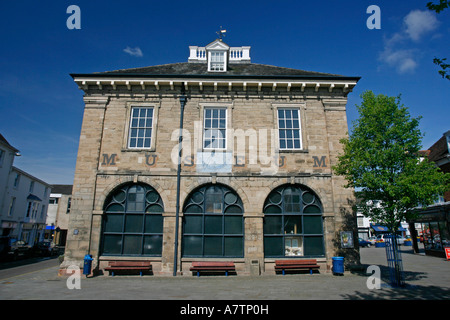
433,222
253,182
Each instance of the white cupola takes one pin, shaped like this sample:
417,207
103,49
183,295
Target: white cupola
218,55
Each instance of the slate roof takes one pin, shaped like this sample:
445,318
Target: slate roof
234,70
6,143
438,150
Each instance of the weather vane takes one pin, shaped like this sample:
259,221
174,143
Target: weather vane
221,32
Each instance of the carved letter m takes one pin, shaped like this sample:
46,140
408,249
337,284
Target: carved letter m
109,160
319,163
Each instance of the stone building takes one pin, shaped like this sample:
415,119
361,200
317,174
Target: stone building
253,182
58,213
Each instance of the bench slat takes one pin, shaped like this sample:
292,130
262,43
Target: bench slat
296,262
129,264
126,268
225,266
213,264
123,265
212,268
296,265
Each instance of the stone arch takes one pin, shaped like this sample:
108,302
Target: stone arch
132,221
119,182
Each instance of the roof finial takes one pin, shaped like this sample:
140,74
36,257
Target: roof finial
221,33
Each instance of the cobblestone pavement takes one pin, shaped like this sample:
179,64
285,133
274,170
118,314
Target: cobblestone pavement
427,278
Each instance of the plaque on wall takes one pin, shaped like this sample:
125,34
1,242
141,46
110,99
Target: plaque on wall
347,239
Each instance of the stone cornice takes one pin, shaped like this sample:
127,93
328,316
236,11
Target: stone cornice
346,84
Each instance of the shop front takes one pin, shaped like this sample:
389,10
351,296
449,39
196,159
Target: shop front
434,222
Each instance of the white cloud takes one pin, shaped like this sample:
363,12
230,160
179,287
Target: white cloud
136,52
418,23
398,52
402,60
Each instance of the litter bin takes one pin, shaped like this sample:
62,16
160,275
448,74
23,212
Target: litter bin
87,264
338,265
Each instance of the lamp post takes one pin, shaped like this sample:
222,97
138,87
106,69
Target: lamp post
177,215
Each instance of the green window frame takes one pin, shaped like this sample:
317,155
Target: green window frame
293,223
133,222
213,223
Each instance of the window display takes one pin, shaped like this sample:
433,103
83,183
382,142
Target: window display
293,223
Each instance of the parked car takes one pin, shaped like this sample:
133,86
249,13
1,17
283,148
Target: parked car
5,247
401,240
364,243
45,248
383,237
372,240
19,248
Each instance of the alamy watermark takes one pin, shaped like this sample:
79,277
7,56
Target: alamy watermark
74,20
224,150
74,280
374,21
374,280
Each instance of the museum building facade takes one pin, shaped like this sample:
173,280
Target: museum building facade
246,179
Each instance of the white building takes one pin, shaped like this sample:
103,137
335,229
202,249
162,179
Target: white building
58,213
367,228
23,199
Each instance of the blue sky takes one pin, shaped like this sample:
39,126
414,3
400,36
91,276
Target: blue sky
41,108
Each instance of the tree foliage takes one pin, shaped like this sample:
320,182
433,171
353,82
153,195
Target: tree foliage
443,4
381,161
444,66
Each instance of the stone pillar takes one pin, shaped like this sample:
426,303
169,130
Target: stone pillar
81,216
343,198
167,257
254,243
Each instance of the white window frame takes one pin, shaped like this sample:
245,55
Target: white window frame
16,181
138,128
199,141
2,157
127,132
217,61
29,212
12,206
217,53
205,119
299,108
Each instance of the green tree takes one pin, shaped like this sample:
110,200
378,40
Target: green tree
381,161
443,4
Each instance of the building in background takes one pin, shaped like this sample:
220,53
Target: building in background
7,154
23,200
58,213
255,179
433,224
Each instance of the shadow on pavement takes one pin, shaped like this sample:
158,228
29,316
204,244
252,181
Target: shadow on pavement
409,292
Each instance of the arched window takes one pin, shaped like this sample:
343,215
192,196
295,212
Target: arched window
213,223
133,222
293,223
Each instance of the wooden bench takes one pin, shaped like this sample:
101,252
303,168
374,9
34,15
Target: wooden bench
213,266
284,265
140,266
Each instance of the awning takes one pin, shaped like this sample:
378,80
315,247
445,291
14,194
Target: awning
380,228
33,197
